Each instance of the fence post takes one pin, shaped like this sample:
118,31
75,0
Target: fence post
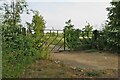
64,39
95,36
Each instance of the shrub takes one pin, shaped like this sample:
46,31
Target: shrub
93,73
73,37
18,48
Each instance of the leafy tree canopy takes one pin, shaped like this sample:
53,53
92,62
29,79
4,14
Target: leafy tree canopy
38,23
113,25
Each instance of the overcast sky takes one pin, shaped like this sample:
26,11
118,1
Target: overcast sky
56,12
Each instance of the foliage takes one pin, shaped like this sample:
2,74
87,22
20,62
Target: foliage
19,48
87,30
68,25
37,25
101,41
0,46
107,39
18,51
88,39
75,38
71,36
112,29
13,11
93,73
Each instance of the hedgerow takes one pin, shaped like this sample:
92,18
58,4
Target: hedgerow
19,46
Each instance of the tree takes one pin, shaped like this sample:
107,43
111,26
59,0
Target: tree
114,24
87,30
13,12
37,25
19,50
68,25
71,36
1,18
15,47
113,16
11,16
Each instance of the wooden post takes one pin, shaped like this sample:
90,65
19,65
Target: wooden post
57,32
95,36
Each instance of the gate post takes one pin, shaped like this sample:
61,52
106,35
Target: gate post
64,39
95,37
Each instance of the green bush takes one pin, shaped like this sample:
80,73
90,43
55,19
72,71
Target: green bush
72,39
113,27
19,48
78,39
18,52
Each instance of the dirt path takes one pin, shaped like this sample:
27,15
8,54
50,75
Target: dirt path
93,60
74,65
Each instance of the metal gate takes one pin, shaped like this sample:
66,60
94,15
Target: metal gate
54,40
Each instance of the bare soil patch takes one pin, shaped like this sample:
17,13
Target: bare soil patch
74,65
55,69
88,60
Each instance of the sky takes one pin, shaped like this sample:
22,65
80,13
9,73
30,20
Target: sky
57,12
